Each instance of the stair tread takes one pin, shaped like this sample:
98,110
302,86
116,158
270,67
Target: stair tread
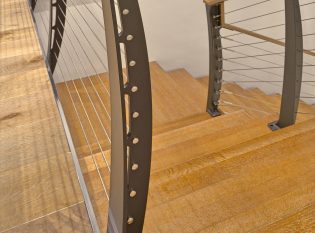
95,185
249,99
95,89
234,97
166,90
234,132
275,101
199,163
198,129
253,144
302,220
183,144
190,86
181,123
213,190
193,181
172,138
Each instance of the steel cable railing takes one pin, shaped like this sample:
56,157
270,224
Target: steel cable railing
251,51
90,45
79,118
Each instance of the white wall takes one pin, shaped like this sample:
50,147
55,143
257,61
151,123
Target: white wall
177,34
177,38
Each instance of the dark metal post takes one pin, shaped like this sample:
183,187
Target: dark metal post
117,219
293,66
130,151
215,58
33,4
57,18
138,88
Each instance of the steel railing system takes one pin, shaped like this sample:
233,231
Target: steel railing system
86,43
262,47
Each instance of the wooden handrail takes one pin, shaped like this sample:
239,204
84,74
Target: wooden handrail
260,36
213,2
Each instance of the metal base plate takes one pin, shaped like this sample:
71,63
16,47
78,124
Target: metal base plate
214,113
274,126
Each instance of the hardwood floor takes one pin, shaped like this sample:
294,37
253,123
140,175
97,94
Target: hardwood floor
223,174
207,174
39,191
72,219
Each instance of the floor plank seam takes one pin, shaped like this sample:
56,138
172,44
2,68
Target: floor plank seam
46,215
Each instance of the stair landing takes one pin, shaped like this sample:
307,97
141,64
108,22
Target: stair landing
39,191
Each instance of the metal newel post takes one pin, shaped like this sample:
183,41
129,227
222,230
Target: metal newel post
293,66
215,58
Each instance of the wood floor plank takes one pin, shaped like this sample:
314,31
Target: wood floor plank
98,195
226,174
15,15
301,221
166,90
17,48
21,64
39,190
216,141
29,143
237,185
179,124
197,130
69,220
187,84
24,83
10,36
23,110
175,172
32,190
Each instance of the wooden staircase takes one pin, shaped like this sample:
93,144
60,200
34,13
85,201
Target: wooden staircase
223,174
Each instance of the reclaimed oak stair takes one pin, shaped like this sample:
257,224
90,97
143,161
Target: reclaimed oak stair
223,174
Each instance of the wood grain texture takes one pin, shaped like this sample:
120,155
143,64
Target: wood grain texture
166,90
242,186
20,64
72,219
249,99
237,194
23,110
39,191
189,157
198,147
185,121
35,189
225,174
24,83
197,130
301,221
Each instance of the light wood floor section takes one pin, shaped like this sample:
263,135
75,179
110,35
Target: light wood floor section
39,191
224,174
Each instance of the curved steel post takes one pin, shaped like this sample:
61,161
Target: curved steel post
130,151
57,18
293,66
215,58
